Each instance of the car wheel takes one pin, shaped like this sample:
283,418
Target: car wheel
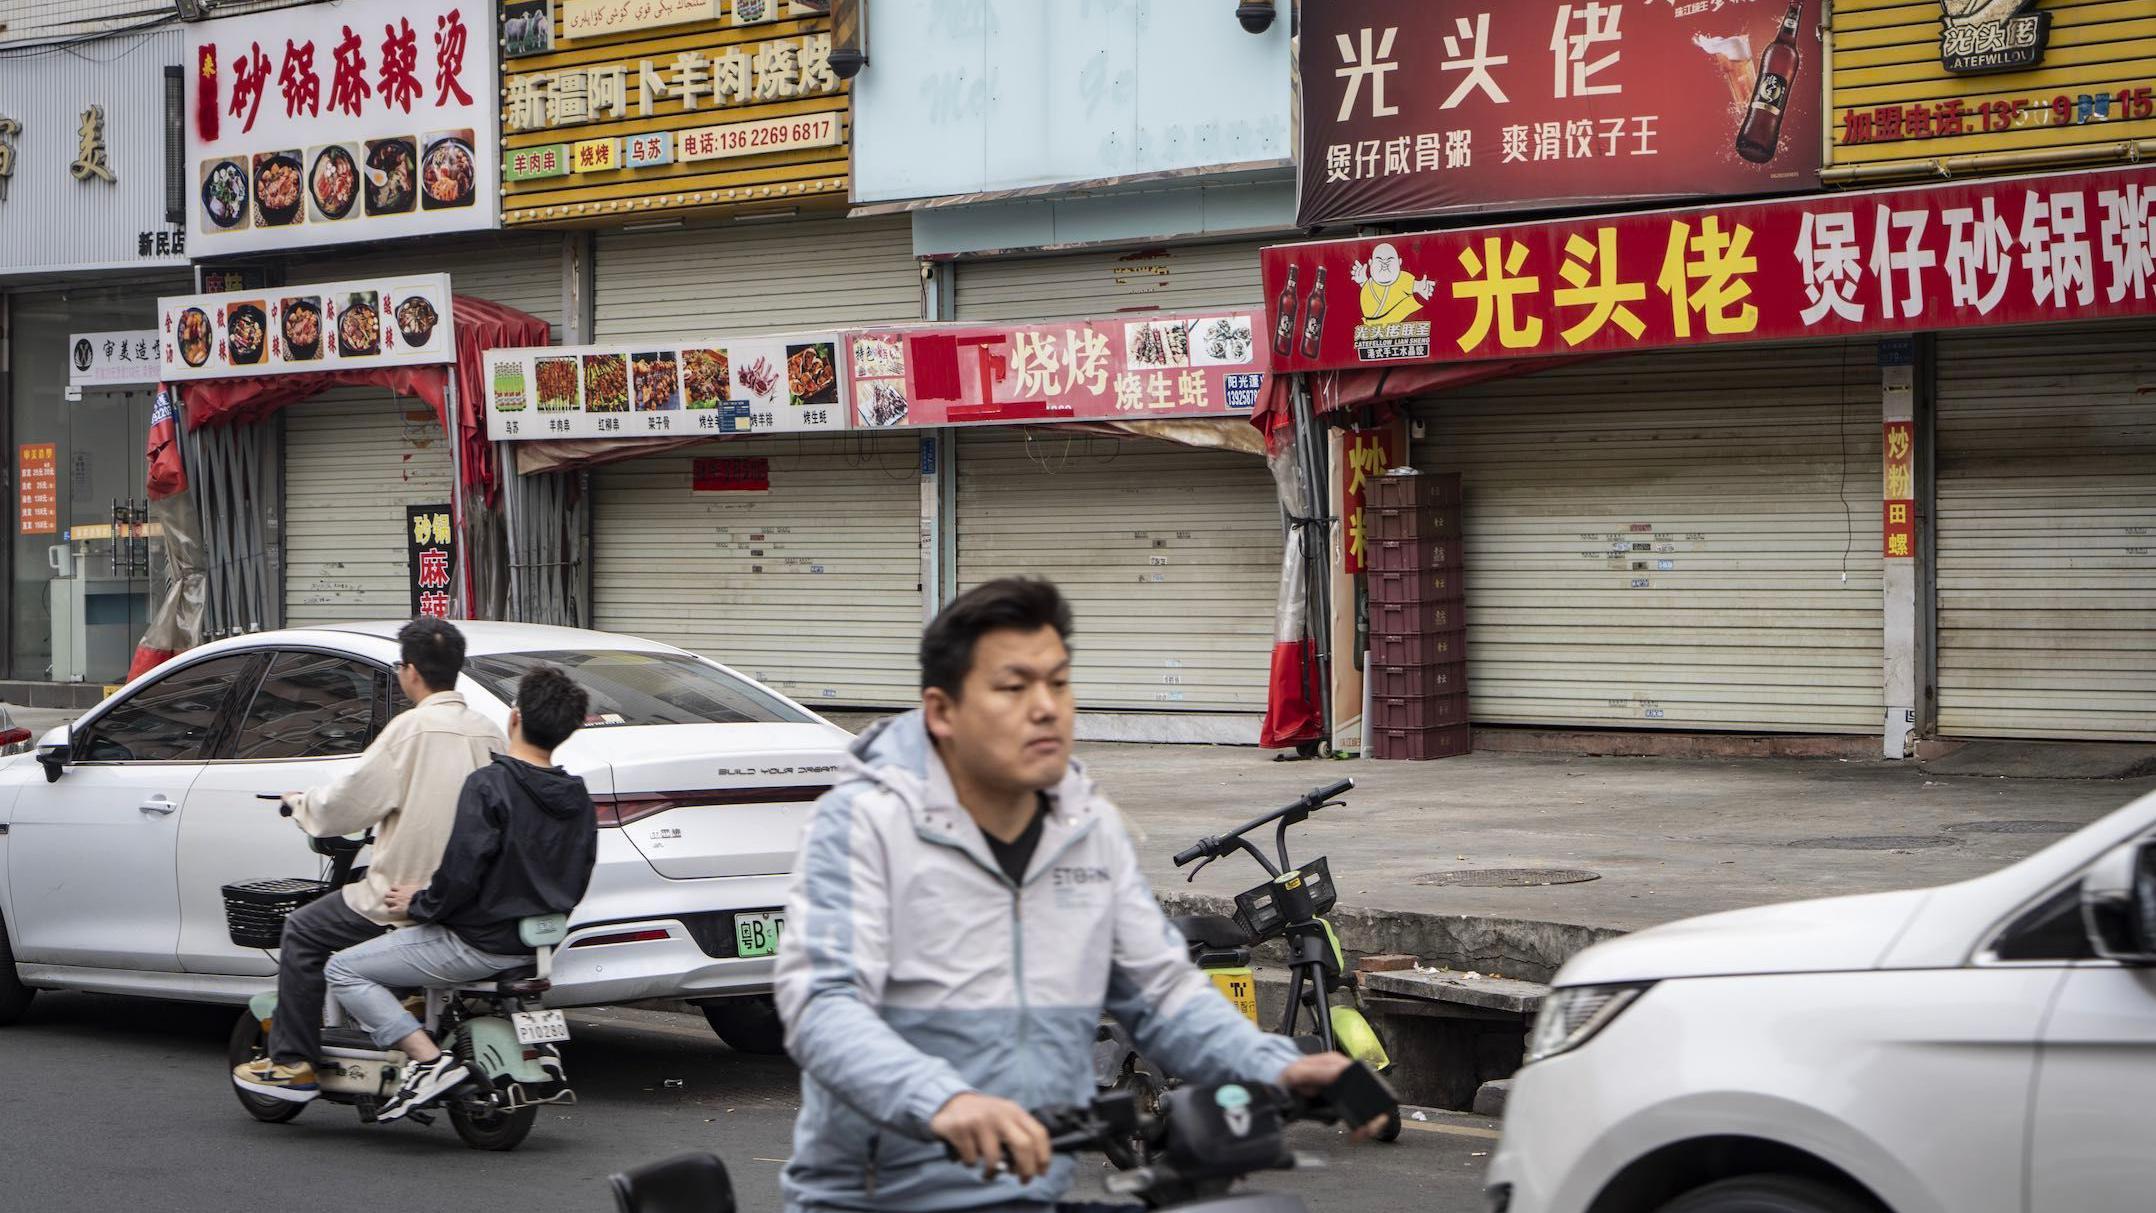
748,1025
1769,1194
14,996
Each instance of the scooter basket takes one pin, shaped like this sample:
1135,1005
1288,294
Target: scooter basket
255,911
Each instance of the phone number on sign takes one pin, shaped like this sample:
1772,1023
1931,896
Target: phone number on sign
753,138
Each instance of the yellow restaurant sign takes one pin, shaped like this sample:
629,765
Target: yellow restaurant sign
1949,78
719,113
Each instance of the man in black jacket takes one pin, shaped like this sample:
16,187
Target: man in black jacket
524,843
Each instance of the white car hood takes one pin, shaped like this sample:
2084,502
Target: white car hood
1837,934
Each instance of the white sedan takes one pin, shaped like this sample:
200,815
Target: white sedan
118,835
1983,1047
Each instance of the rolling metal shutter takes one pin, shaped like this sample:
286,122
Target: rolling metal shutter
1170,556
812,587
1685,540
2047,508
815,586
745,279
354,458
1190,277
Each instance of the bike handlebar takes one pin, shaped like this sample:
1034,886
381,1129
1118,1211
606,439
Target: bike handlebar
1219,844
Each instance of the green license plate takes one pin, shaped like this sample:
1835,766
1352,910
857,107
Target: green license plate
758,934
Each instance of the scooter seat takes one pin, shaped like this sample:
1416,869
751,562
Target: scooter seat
1212,931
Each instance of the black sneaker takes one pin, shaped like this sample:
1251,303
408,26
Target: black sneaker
424,1082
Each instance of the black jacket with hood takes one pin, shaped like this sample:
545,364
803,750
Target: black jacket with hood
524,844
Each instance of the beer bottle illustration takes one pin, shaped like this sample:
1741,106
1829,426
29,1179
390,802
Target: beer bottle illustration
1759,137
1284,310
1314,316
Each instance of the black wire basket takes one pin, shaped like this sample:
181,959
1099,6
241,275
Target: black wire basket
255,911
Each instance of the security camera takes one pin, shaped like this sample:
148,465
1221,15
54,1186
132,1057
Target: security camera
1256,15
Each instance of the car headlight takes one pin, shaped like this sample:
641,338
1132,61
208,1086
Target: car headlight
1571,1015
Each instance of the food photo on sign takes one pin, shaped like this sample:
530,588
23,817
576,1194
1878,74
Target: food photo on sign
1414,108
318,326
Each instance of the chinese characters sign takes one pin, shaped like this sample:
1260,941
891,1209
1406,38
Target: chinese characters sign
1903,88
697,100
105,360
2032,250
1425,107
1365,455
716,388
1899,490
430,539
1119,369
326,124
37,488
730,475
326,326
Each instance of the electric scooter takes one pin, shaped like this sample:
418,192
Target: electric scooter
493,1026
1290,905
1187,1156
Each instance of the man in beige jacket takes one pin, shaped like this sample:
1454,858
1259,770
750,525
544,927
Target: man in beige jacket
405,787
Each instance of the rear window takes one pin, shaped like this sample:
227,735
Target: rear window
643,688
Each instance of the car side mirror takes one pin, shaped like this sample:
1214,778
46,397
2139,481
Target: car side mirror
2118,904
55,751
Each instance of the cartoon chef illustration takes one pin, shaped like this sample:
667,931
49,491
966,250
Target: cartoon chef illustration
1388,295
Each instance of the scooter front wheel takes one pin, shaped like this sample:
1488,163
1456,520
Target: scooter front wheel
249,1043
486,1128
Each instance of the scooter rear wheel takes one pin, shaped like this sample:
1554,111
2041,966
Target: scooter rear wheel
248,1043
485,1128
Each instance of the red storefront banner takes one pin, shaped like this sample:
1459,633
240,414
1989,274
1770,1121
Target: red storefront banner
1365,454
1138,368
2052,249
1424,107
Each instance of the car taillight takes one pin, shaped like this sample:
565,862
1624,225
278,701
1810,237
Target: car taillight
647,936
620,810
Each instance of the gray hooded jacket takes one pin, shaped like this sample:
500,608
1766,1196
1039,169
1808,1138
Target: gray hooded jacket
913,969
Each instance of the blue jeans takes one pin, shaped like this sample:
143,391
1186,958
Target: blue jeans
364,977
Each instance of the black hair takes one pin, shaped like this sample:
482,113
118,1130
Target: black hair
1022,604
435,648
551,705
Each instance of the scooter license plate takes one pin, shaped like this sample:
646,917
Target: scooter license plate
539,1027
1241,990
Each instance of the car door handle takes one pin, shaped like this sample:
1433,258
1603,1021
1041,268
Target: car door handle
159,804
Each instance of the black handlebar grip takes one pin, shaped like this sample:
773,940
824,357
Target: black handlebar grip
1197,850
1321,795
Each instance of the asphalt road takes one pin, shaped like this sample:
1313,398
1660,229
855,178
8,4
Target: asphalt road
117,1105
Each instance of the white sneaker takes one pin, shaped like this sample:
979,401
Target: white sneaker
424,1082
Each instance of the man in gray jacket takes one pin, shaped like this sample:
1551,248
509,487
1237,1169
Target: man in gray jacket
965,905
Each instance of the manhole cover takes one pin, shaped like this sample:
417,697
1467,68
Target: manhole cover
1876,842
2013,827
1506,878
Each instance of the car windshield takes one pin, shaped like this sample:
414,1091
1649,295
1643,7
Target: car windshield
643,688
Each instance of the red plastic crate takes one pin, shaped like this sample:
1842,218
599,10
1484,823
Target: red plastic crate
1393,681
1419,649
1402,618
1407,555
1421,745
1420,585
1417,489
1419,522
1416,712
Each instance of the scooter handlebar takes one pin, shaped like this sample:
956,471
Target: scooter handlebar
1220,844
1197,850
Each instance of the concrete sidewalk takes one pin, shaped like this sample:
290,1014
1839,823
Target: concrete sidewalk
1663,838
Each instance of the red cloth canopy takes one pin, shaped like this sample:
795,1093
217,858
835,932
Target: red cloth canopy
1332,391
481,325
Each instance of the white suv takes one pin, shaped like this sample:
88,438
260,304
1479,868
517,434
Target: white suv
118,836
1984,1047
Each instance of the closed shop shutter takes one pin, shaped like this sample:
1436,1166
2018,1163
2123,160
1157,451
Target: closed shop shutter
812,587
1170,556
354,458
2047,533
519,270
1190,277
1685,540
744,279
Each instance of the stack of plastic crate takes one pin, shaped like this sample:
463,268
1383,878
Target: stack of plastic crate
1418,617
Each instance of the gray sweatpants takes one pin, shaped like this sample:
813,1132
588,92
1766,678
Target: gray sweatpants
365,977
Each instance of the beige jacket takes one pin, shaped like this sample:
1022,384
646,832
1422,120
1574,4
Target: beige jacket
405,787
